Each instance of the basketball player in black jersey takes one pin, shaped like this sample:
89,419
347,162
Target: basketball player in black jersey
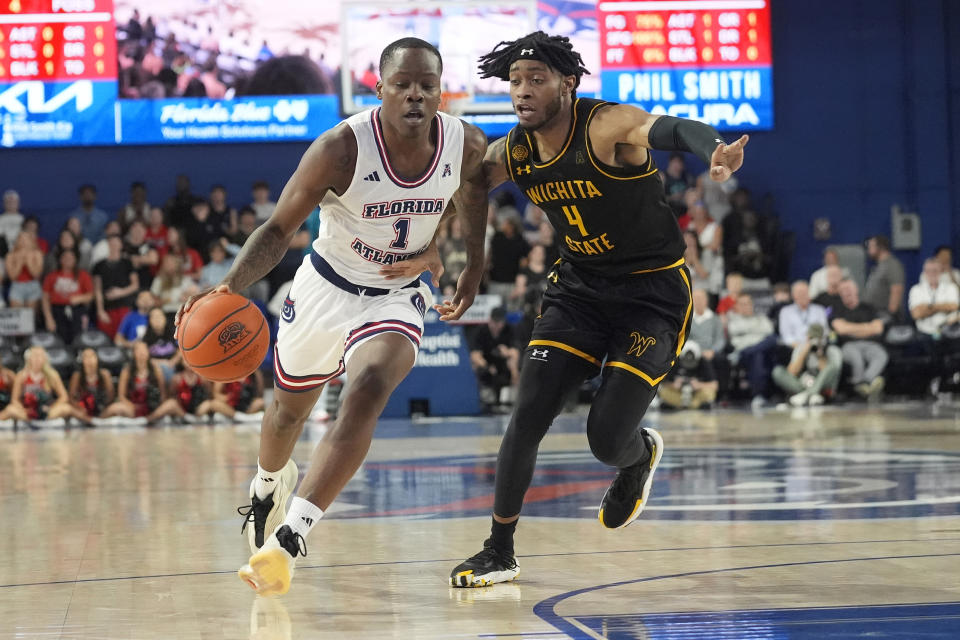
618,300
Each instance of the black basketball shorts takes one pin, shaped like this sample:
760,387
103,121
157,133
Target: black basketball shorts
636,323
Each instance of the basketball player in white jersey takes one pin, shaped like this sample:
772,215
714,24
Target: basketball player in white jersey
383,179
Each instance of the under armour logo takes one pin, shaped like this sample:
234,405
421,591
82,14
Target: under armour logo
539,354
373,177
309,521
446,170
640,344
526,52
580,159
524,169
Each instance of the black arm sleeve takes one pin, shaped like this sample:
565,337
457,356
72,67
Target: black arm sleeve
676,134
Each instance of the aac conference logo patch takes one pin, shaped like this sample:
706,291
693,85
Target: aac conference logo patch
520,153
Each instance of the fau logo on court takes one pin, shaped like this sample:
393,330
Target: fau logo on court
413,206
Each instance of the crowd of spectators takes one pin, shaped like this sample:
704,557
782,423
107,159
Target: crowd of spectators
753,337
115,281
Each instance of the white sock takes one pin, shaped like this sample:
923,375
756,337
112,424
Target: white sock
302,516
266,481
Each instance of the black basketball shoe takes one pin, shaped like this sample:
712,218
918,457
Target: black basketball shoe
270,570
268,514
488,567
627,495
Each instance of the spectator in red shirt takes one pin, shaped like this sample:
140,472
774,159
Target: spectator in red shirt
67,293
32,224
156,235
734,289
192,262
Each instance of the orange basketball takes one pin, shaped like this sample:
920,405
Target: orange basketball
224,337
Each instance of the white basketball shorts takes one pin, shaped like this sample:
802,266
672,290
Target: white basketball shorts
325,318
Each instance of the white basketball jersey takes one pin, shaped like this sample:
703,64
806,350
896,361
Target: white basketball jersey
382,218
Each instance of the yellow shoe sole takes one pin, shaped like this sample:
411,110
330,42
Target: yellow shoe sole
268,573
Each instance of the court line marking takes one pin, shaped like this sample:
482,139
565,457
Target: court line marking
545,609
533,555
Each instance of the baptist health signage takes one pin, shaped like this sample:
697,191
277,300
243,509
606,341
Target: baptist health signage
442,382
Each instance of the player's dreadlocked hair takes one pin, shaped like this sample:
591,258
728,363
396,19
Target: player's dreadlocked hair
556,51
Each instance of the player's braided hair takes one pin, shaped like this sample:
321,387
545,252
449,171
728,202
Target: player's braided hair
556,51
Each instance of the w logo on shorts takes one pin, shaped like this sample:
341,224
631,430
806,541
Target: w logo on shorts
640,344
287,312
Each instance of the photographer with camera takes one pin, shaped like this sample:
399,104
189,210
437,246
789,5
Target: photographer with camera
692,383
814,369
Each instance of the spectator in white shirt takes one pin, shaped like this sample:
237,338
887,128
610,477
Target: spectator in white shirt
11,220
262,204
944,255
933,301
706,328
754,343
818,280
795,319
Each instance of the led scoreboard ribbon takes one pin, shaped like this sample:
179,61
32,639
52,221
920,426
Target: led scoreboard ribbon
704,59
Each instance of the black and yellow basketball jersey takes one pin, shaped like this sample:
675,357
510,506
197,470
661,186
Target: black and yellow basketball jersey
609,220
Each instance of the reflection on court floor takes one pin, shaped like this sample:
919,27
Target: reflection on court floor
832,524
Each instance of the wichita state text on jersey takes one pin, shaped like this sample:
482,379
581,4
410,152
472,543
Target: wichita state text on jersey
611,220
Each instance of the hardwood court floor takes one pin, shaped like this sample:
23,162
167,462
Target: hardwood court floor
835,523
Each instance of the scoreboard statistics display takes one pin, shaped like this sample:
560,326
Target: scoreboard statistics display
708,60
108,72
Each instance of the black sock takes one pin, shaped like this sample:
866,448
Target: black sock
501,535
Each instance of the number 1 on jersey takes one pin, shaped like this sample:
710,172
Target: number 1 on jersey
573,217
402,227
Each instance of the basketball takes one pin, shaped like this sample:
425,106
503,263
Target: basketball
224,337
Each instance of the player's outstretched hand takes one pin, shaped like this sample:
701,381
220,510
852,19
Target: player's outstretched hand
429,260
467,286
192,300
727,158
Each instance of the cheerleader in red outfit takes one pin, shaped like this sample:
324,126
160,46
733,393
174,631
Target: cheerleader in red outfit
140,391
242,396
91,387
38,392
6,391
192,393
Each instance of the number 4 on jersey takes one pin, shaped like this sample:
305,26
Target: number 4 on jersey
573,217
402,227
